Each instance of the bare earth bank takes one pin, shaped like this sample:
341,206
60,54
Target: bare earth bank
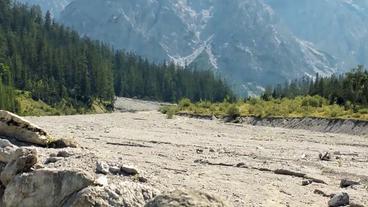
175,153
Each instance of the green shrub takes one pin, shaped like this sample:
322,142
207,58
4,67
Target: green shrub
233,111
363,111
313,101
185,103
170,111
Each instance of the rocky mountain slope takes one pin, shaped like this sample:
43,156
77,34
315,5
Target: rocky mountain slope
54,6
338,27
242,40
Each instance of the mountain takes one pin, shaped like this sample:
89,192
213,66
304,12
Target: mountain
338,27
54,6
240,39
47,63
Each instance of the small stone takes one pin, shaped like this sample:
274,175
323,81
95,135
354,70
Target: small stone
340,199
128,170
64,154
326,156
53,155
115,170
64,143
142,179
242,164
199,151
320,192
306,182
52,160
102,168
212,150
237,120
102,180
347,183
38,166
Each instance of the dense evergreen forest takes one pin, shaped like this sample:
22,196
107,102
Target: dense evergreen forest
349,89
56,65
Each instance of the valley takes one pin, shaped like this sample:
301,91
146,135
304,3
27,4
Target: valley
244,103
228,160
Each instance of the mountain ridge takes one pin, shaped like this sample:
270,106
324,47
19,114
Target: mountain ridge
243,41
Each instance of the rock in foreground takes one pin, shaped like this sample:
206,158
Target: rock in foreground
49,187
14,126
125,194
181,198
340,199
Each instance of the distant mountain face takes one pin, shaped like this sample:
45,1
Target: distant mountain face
54,6
338,27
240,39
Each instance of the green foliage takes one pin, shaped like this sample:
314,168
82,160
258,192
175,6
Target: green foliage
136,77
349,90
300,106
233,111
170,111
315,101
60,68
185,103
7,98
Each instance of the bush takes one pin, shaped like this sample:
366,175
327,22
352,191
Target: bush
315,101
184,103
233,111
170,111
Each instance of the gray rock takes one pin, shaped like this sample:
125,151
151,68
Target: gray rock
347,183
5,143
306,182
199,151
125,194
64,143
52,160
115,170
64,154
102,180
102,168
6,151
326,156
14,126
181,198
142,179
128,170
340,199
23,161
49,187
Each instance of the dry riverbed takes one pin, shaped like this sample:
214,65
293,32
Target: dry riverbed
236,162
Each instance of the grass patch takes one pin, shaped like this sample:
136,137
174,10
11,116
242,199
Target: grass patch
27,106
299,107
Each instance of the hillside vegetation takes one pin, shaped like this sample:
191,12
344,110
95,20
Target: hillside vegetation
74,74
344,96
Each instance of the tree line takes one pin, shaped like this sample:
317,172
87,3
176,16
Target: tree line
55,64
349,89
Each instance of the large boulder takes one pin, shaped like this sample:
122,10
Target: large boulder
7,150
180,198
15,127
23,160
45,187
340,199
125,194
